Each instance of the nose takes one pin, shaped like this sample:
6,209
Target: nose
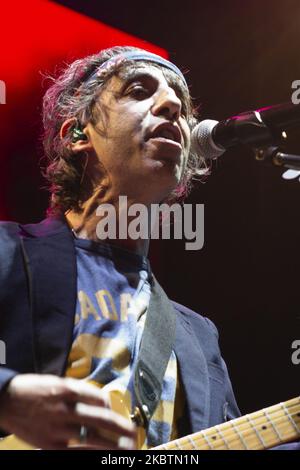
167,104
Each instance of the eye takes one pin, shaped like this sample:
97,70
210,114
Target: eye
139,92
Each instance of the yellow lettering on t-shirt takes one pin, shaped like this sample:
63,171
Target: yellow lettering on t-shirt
87,307
107,305
124,302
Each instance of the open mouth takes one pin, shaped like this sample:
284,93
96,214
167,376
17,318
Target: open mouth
166,133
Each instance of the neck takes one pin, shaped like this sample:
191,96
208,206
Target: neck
104,217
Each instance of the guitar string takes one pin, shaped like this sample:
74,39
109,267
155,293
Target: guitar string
220,443
230,433
258,418
242,421
233,436
228,440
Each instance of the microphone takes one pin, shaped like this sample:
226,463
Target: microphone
258,128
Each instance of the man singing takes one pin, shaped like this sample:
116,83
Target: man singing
82,316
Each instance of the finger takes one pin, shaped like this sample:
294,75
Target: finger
94,444
103,419
66,433
99,442
78,390
94,440
69,437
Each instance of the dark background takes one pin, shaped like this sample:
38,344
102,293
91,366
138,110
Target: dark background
240,55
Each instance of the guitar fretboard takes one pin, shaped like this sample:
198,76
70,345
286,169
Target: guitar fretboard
260,430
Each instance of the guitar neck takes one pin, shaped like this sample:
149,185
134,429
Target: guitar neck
256,431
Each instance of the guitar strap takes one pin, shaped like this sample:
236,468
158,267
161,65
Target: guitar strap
156,346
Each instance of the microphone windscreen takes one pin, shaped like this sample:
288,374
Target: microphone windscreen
202,142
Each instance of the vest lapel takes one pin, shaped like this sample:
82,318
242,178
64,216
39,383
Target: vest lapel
52,274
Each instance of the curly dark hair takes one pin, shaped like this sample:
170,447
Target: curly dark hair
74,94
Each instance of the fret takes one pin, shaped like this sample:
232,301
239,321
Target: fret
265,411
178,445
207,441
164,447
240,435
256,431
191,442
294,424
222,437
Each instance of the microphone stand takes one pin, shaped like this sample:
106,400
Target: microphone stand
269,133
274,156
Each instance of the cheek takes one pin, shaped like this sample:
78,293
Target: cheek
132,121
127,132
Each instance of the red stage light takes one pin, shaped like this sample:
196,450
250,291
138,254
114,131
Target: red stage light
37,33
37,36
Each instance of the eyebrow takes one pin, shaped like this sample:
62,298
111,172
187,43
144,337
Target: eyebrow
131,75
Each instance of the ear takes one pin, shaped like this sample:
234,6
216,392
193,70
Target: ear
80,144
